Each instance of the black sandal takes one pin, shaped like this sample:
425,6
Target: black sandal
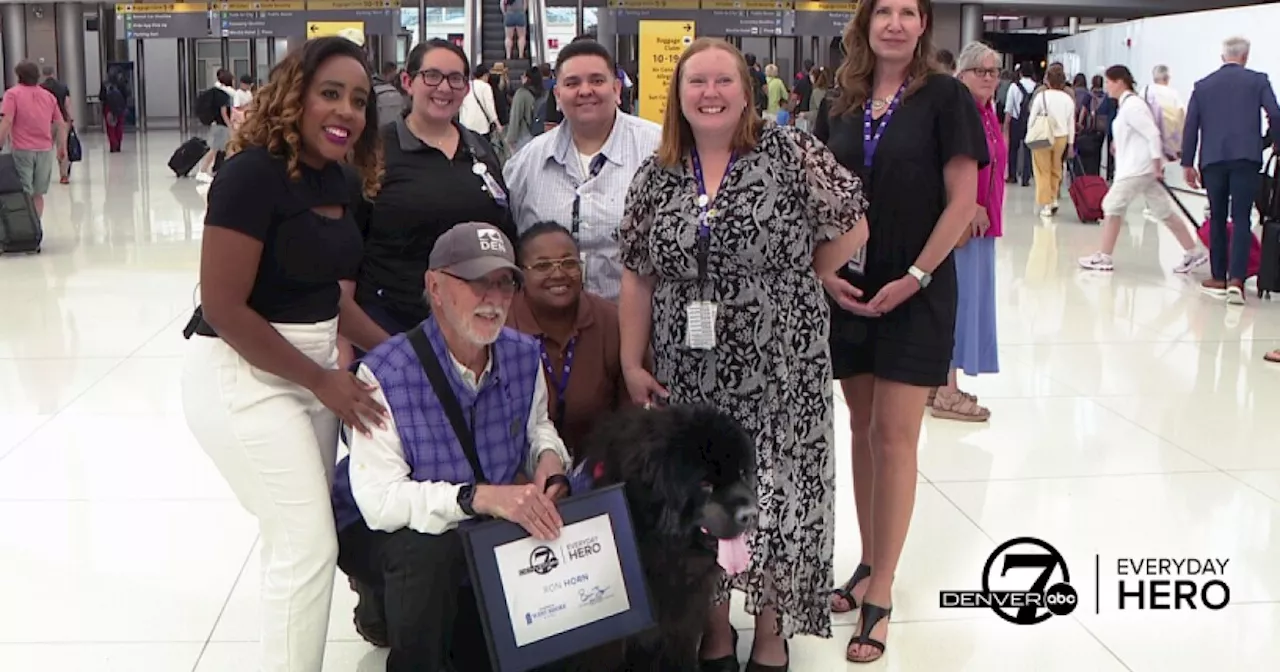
845,592
727,663
871,615
753,666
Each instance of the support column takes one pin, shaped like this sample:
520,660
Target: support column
970,24
70,25
1073,25
14,37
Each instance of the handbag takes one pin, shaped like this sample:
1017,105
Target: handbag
968,230
1040,129
1266,201
75,152
499,143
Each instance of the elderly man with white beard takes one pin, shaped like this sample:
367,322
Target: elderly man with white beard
468,436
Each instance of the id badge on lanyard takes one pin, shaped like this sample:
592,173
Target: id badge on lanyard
491,185
700,316
870,143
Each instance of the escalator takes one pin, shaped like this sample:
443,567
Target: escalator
493,39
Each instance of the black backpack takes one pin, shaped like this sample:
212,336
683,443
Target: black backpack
539,125
207,106
1024,110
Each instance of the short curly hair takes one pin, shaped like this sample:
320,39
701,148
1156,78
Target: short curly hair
278,106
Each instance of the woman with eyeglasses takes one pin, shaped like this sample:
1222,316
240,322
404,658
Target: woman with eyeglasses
578,332
437,175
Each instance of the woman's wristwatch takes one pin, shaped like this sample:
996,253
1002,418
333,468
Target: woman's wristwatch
921,277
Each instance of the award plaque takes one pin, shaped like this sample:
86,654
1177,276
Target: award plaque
542,601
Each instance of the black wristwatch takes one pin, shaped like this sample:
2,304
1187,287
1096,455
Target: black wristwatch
467,499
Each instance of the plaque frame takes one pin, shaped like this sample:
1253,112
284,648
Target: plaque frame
479,541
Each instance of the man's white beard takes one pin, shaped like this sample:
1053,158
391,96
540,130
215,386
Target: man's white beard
466,327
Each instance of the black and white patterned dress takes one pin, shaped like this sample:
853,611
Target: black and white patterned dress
770,369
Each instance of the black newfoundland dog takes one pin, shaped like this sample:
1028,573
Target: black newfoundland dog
690,483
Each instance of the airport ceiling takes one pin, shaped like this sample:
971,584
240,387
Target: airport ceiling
1101,8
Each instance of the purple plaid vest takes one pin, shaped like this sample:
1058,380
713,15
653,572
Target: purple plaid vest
500,409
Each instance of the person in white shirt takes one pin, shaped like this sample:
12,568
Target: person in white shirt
1059,107
1015,125
468,436
479,113
579,172
1139,157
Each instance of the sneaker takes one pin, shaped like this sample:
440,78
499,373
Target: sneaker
1097,262
1214,288
1046,211
1191,260
1054,206
204,177
1235,292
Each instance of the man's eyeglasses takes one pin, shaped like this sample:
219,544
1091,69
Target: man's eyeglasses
549,266
985,72
457,80
482,286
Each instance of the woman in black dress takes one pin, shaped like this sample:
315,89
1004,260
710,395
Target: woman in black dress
914,136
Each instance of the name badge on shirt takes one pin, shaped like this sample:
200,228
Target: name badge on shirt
858,264
490,184
700,325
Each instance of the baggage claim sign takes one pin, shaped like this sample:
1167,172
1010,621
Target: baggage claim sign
1026,581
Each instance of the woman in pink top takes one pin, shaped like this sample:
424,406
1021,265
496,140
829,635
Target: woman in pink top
978,67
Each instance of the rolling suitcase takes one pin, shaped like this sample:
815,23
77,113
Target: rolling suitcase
188,156
1202,232
20,230
1087,192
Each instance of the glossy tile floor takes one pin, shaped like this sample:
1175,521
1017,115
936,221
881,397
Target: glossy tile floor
1134,418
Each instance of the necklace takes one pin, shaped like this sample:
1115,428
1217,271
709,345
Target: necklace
878,104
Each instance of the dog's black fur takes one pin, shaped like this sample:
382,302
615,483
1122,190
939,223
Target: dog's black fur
687,469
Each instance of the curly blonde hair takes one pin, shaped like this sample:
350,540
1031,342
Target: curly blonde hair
854,75
278,106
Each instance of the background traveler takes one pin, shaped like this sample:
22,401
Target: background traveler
1224,125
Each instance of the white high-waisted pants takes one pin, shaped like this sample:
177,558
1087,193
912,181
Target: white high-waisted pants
276,445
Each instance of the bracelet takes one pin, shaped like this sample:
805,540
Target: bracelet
558,479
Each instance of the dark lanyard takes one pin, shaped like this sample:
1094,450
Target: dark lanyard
869,141
597,165
703,249
562,382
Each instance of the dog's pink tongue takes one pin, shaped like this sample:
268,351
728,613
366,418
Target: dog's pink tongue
733,555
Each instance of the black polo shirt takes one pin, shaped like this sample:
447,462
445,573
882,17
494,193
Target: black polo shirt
424,193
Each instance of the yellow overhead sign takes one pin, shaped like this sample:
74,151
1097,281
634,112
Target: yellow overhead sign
828,6
282,6
340,5
661,45
653,4
762,5
163,8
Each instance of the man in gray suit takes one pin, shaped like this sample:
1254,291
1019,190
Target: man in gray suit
1223,120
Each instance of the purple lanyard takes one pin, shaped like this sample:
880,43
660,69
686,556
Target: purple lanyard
703,249
871,142
561,383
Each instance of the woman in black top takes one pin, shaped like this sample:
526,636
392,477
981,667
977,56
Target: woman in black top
438,174
261,391
914,136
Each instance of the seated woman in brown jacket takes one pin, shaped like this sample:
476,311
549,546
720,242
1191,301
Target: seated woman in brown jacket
578,332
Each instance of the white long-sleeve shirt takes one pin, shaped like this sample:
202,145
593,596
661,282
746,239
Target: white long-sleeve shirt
1061,108
478,109
386,494
1137,139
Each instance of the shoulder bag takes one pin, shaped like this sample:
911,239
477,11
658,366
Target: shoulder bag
1040,127
448,400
